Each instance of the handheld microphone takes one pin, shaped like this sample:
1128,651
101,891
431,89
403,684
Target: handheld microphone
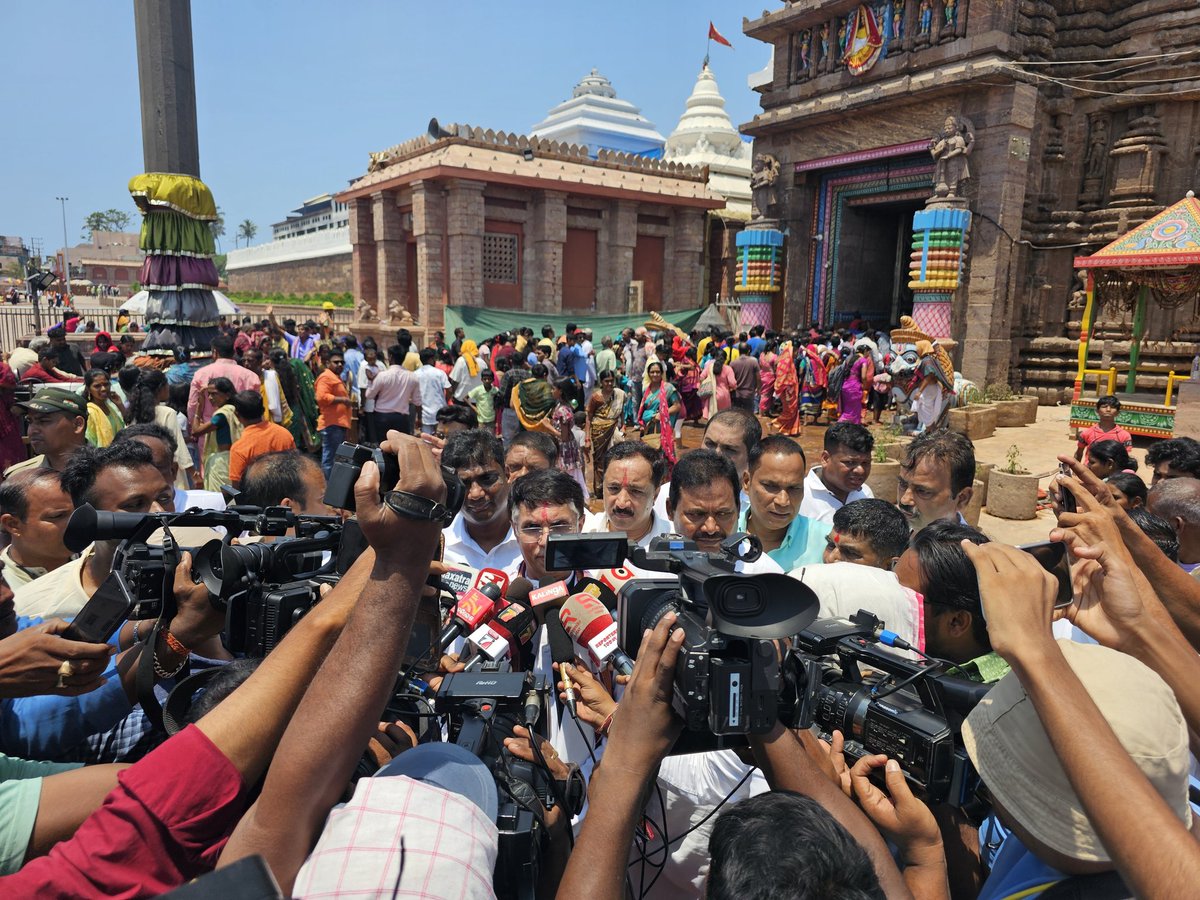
562,651
492,576
469,613
489,643
519,624
554,593
599,590
590,625
519,590
457,580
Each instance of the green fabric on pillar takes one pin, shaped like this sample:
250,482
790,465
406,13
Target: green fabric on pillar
479,323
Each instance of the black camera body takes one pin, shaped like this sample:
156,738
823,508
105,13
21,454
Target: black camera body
483,708
347,465
839,677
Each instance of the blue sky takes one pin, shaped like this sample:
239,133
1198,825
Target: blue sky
292,96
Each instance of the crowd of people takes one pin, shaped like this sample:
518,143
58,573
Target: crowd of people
1082,745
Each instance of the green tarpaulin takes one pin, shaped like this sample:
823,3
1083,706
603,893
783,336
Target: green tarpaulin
483,323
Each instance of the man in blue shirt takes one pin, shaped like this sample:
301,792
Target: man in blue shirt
775,485
757,341
571,360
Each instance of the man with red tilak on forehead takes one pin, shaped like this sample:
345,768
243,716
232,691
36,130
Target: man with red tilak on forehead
633,473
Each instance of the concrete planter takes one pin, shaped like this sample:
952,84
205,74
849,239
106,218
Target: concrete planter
983,474
1011,413
883,479
1012,496
1031,408
976,422
897,448
971,513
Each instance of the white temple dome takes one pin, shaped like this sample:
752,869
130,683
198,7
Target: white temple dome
705,136
596,117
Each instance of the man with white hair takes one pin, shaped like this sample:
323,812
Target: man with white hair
1177,500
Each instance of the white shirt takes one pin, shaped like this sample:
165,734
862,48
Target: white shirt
274,395
844,588
56,594
364,382
198,500
819,502
433,384
463,380
461,549
596,523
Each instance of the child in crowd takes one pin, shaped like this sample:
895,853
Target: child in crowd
482,399
1107,429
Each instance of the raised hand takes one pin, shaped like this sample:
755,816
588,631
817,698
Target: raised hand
644,726
1017,593
396,538
31,658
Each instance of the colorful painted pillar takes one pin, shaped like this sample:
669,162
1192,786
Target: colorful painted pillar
939,257
759,274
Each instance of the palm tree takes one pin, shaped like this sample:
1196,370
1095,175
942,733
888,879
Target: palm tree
246,231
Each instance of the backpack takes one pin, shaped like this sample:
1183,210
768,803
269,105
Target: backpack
838,376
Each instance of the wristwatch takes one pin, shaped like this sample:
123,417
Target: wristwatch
423,509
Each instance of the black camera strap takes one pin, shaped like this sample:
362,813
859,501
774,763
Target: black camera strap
146,677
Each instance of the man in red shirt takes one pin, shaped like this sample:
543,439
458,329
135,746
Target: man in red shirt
44,369
333,401
258,437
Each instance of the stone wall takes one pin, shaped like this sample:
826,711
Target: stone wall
325,274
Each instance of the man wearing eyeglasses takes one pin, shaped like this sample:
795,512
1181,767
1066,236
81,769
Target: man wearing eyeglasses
481,535
543,503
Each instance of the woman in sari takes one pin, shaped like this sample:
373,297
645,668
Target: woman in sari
533,402
104,418
219,433
814,379
296,383
570,456
658,411
605,412
687,374
787,389
855,386
766,377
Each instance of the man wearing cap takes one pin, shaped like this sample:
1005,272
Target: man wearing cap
55,419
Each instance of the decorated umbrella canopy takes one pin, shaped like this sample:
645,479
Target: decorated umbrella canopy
139,301
178,272
1158,259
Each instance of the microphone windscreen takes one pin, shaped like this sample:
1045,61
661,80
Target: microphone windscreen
518,590
599,590
562,649
582,615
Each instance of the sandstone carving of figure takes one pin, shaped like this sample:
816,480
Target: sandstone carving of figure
366,312
950,151
926,17
825,43
1093,164
805,45
764,173
951,8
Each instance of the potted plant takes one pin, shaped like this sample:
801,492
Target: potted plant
983,475
1010,409
1012,491
885,473
975,417
1031,402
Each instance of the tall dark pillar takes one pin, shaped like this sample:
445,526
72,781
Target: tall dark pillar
167,79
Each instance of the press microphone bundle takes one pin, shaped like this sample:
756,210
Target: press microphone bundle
554,594
471,611
591,626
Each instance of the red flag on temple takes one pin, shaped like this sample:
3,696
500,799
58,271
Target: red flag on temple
714,35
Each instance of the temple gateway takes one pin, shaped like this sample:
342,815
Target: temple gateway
950,159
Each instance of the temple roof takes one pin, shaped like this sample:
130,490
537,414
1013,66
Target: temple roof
705,136
1172,238
597,118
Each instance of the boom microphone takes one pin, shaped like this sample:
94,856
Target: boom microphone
590,625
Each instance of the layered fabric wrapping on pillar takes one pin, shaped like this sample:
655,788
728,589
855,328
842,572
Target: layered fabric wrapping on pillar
181,193
178,271
175,273
174,234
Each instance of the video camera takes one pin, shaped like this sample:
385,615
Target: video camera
263,588
754,653
483,707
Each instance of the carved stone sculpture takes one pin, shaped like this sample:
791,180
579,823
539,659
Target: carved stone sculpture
364,311
764,174
950,151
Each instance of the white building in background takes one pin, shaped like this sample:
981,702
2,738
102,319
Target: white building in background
598,119
705,136
309,253
320,213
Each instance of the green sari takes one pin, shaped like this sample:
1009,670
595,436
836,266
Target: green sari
304,417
